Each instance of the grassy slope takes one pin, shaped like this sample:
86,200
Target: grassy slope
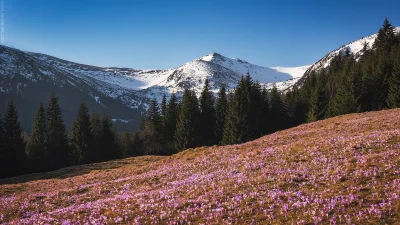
341,170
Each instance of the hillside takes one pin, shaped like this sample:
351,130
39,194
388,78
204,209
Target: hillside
340,170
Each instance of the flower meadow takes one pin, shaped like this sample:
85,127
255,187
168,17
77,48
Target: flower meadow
343,170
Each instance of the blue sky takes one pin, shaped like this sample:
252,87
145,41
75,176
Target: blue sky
162,34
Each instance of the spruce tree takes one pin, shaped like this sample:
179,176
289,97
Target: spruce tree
129,148
312,114
153,118
289,106
255,118
221,106
236,129
386,38
343,101
37,145
393,98
170,121
13,156
230,131
265,114
95,153
207,116
2,148
81,136
163,106
276,111
109,145
186,135
57,141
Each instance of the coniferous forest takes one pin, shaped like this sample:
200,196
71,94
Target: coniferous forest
352,83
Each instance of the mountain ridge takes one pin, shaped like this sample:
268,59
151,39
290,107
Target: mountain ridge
354,47
124,93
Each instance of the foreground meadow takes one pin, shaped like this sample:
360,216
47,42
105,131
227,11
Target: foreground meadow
344,170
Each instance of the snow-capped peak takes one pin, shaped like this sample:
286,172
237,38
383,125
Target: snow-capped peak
354,47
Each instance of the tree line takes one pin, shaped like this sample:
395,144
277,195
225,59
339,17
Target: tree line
352,83
365,82
49,147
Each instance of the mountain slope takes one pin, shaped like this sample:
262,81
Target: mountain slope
124,93
343,170
221,70
29,79
354,47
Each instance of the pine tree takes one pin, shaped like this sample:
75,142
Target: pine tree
312,114
95,153
163,106
265,114
236,129
2,147
386,37
13,156
37,145
276,111
344,101
108,140
163,115
221,106
153,118
81,136
393,98
207,116
289,107
170,123
255,118
187,127
128,144
136,149
57,141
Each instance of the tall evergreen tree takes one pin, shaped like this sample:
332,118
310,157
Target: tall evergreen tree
276,113
37,145
236,129
163,115
13,153
207,116
312,114
187,127
109,145
81,136
386,37
265,114
2,147
96,153
255,118
163,106
221,106
393,98
57,141
128,144
170,123
153,118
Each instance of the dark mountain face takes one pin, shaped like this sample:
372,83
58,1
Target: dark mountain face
28,81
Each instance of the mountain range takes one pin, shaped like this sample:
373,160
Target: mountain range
124,93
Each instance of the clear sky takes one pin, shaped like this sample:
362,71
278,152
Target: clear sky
161,34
